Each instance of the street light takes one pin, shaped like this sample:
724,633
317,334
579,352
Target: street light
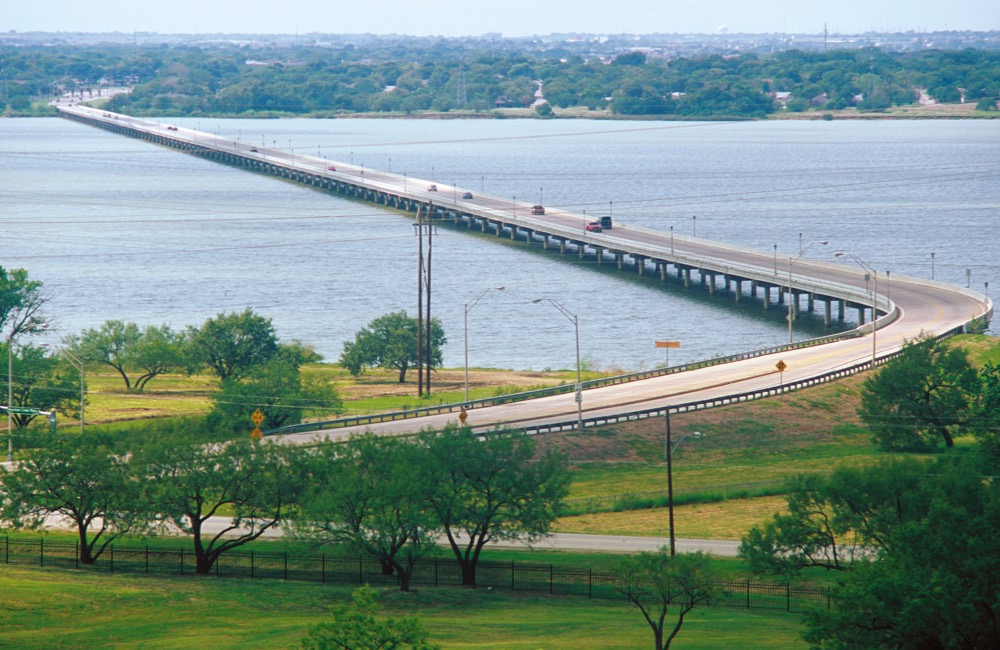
469,305
670,481
802,251
10,397
579,382
874,275
77,363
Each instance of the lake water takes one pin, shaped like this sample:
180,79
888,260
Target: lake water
118,228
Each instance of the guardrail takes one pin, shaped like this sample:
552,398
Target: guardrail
455,407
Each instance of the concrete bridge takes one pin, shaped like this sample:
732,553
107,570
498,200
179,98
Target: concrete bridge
889,310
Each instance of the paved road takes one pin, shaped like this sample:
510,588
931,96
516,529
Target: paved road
924,306
557,541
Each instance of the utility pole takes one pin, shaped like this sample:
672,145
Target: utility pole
424,356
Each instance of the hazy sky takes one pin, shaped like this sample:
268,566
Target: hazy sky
508,17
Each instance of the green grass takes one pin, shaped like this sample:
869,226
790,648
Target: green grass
46,609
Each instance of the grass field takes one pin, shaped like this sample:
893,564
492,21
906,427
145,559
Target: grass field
46,609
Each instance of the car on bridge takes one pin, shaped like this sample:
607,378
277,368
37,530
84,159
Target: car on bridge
432,188
606,222
537,209
331,168
467,195
594,226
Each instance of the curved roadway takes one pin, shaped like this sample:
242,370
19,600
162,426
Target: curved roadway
922,306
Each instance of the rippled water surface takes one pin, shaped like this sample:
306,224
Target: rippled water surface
123,229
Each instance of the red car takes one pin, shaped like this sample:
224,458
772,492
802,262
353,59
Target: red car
594,226
537,209
332,168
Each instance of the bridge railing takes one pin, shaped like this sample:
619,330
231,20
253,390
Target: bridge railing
562,389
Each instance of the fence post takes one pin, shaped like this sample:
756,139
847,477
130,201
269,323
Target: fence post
182,560
322,558
550,580
41,552
76,550
788,595
286,565
748,594
147,559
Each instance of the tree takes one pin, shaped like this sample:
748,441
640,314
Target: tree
390,341
834,521
654,582
355,627
491,490
362,493
38,383
933,581
124,347
986,420
921,396
231,344
191,479
21,303
87,479
278,390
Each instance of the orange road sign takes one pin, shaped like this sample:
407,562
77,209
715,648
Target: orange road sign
667,344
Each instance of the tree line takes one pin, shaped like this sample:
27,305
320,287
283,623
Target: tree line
385,497
256,371
230,80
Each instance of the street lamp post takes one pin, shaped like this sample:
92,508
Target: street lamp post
10,398
77,363
874,275
670,481
468,306
579,382
791,295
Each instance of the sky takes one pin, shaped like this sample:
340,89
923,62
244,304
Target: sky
508,17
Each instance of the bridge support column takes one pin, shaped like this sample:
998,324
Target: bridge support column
826,313
599,252
640,265
738,288
766,294
661,268
811,301
708,278
620,260
686,273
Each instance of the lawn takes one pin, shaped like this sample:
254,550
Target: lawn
69,609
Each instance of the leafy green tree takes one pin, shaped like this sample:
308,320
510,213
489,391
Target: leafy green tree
87,479
191,478
362,493
390,341
921,396
985,422
933,580
127,349
491,490
39,383
232,344
833,521
357,627
21,303
655,582
278,390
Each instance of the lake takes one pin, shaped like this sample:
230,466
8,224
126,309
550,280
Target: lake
122,229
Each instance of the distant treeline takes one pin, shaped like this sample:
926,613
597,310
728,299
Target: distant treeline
235,81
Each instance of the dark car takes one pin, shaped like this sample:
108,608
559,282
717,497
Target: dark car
606,222
594,226
467,195
537,209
